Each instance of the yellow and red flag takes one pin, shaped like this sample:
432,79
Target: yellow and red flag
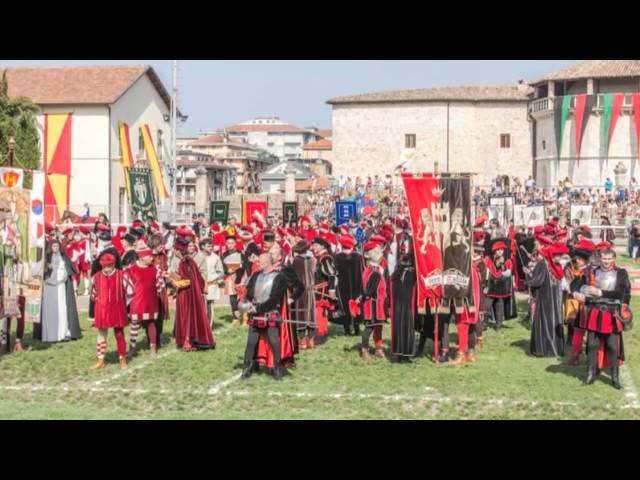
57,164
153,161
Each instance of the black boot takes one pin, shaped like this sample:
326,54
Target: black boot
278,371
356,330
347,330
615,377
444,357
591,375
248,370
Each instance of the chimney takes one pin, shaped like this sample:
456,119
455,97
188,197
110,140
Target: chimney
523,85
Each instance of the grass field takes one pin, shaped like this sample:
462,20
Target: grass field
330,382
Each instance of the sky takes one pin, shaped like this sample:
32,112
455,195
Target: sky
215,93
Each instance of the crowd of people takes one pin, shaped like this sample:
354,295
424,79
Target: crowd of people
288,282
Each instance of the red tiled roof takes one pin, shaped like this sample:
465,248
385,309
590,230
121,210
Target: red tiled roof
477,93
595,69
79,85
318,183
286,127
323,144
325,132
215,139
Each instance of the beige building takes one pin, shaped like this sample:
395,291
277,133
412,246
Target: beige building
321,149
491,131
247,160
480,129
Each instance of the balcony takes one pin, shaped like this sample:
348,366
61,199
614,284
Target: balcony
542,105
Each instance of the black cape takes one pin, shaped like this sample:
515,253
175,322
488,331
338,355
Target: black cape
349,267
403,312
547,333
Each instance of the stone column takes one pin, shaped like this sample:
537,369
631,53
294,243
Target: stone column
202,189
290,184
620,172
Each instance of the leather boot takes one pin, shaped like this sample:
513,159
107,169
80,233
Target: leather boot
247,370
460,359
444,357
123,363
591,375
615,377
356,330
480,342
311,343
365,355
99,364
574,360
278,371
379,351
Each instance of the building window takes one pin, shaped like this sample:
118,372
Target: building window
505,140
544,145
410,140
160,145
270,144
140,144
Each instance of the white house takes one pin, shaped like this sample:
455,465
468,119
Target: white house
98,98
281,139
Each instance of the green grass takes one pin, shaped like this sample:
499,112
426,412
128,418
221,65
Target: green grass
330,382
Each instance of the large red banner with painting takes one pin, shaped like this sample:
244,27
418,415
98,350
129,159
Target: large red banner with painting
422,196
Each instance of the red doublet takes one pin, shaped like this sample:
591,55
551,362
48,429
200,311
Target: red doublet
142,291
108,293
373,307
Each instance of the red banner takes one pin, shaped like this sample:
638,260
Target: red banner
422,196
636,111
255,210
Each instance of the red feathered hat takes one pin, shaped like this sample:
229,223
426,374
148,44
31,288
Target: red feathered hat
603,245
184,231
584,244
370,246
136,224
543,240
49,227
215,227
144,252
304,219
107,259
378,239
347,241
67,230
86,229
558,248
538,229
478,235
498,245
344,227
481,220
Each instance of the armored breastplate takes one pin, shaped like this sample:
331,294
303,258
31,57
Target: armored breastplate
606,281
264,284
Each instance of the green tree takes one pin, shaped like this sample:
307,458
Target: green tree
18,119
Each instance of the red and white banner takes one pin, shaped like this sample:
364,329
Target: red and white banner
423,196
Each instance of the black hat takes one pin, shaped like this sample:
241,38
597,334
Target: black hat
321,241
301,247
251,249
131,239
269,236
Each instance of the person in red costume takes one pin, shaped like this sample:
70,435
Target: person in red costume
192,330
109,294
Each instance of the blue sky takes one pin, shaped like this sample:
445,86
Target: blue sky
215,93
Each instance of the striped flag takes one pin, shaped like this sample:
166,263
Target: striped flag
153,161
